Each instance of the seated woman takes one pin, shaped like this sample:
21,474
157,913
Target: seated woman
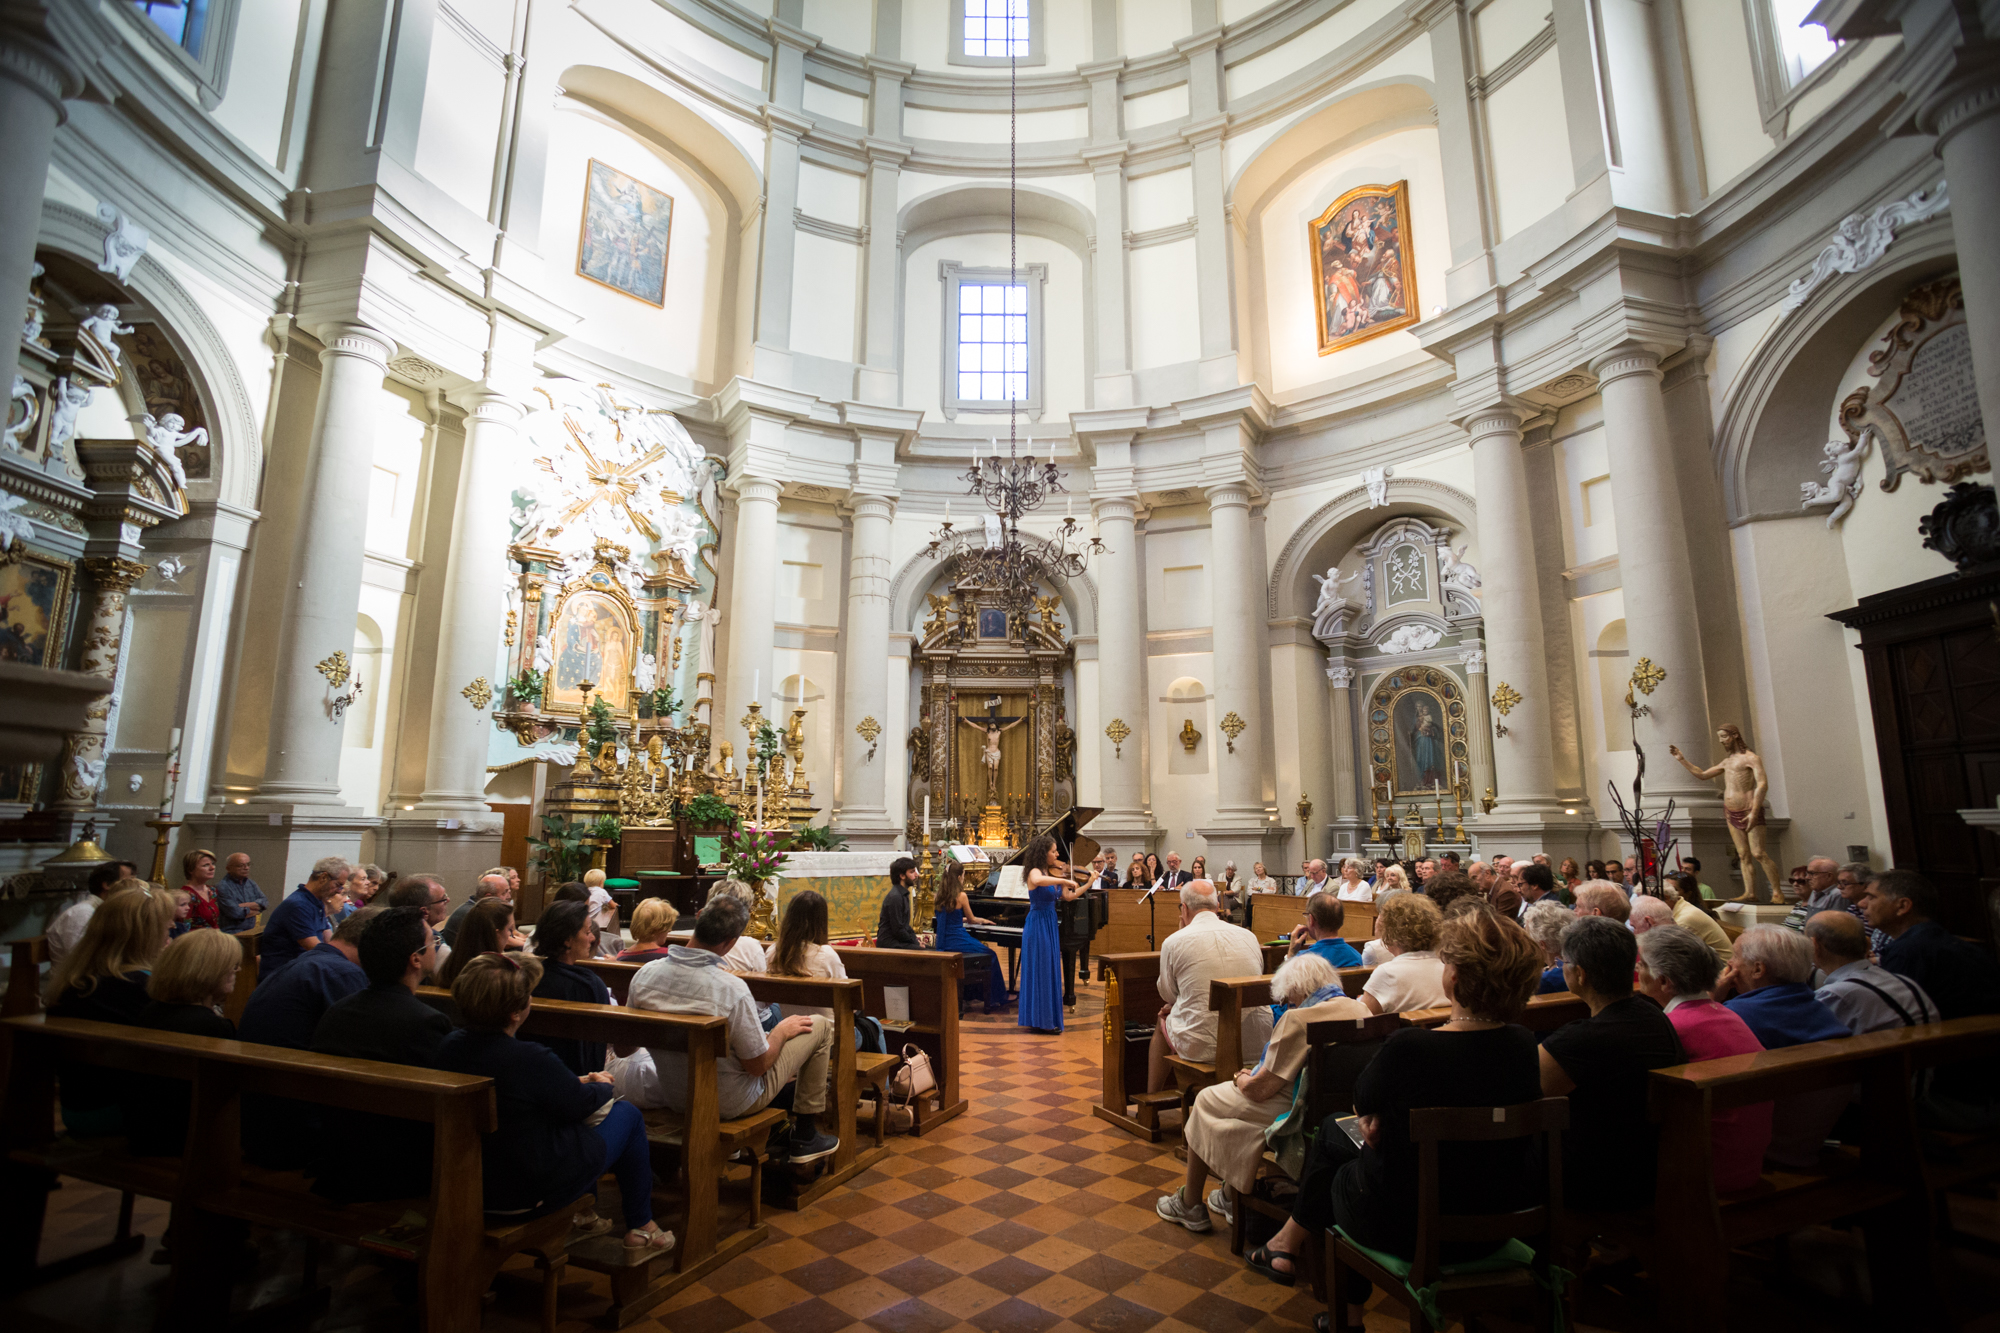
1353,888
1135,874
1482,1057
565,937
954,914
557,1132
1230,1123
652,920
801,950
487,928
1413,976
1677,969
103,977
1545,922
1375,953
195,974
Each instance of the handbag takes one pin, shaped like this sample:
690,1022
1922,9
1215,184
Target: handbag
915,1079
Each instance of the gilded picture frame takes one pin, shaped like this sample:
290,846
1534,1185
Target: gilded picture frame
1364,266
35,607
623,236
1418,709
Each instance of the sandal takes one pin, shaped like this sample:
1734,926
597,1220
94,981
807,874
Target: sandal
1260,1260
657,1239
589,1224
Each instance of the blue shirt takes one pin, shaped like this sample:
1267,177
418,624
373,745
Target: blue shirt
298,917
1552,982
1961,978
230,896
1787,1014
284,1010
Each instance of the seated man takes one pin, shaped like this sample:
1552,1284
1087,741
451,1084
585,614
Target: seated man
1961,979
492,884
385,1022
892,929
285,1010
1600,897
1864,996
1769,972
1320,933
301,922
692,980
1692,919
1205,948
1610,1152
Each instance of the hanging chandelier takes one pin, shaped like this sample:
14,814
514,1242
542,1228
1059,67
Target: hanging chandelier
995,556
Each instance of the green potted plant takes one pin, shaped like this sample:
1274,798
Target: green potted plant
662,703
528,688
708,813
561,848
817,838
598,723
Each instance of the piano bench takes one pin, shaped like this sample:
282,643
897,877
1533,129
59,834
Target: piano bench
972,986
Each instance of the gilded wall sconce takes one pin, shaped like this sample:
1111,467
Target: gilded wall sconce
1117,731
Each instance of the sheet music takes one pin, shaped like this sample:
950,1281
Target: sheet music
1013,883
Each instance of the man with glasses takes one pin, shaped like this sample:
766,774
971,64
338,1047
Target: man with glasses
1819,893
428,892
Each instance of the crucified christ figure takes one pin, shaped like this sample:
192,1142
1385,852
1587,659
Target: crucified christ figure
1743,788
993,728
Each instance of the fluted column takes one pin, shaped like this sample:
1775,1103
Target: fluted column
470,624
1237,629
1653,565
303,767
1121,666
82,769
753,605
1966,118
34,80
864,765
1524,765
1346,763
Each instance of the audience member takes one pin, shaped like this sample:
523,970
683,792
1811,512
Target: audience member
1447,886
285,1010
652,921
564,938
1853,881
204,908
68,925
1600,1063
692,980
1537,882
301,922
1319,933
1691,918
1769,975
1648,912
1614,874
1545,922
1599,897
487,928
1481,1057
1413,975
1504,896
1692,865
238,899
1678,969
801,950
603,915
1392,877
1203,949
1864,996
194,976
1961,979
103,978
1231,1123
1568,876
556,1133
427,893
1172,877
385,1022
1353,888
1822,892
1260,880
183,913
892,929
492,884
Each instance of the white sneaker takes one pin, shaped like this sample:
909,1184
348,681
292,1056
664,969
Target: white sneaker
1218,1202
1173,1208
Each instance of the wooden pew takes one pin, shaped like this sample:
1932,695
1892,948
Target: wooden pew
1883,1182
1544,1015
932,979
24,977
456,1253
1131,997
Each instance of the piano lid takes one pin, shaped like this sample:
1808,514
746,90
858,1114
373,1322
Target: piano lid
1067,831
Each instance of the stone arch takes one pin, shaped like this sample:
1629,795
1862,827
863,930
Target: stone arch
672,126
1341,521
920,571
960,209
1353,115
1777,414
235,435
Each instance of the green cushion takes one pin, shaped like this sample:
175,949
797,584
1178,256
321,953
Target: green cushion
1514,1254
621,883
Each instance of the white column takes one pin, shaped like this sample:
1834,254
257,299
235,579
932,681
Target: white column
33,82
772,354
1121,666
1346,763
1966,120
303,766
753,602
864,806
469,625
1524,767
1114,362
1238,633
1653,565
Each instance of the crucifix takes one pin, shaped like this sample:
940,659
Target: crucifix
992,726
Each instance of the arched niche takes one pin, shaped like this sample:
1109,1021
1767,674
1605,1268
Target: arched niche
958,210
672,126
1353,116
1336,526
1778,414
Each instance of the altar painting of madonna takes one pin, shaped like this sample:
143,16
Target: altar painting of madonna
1422,742
1364,271
592,641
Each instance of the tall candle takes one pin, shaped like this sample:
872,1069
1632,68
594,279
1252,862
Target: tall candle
756,685
927,816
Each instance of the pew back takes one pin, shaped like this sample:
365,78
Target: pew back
932,979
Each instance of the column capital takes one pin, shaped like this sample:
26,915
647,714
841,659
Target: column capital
860,505
1968,95
1116,507
787,124
1107,156
886,154
40,68
1493,419
1205,132
1340,674
359,341
755,489
487,405
884,68
1623,361
1228,495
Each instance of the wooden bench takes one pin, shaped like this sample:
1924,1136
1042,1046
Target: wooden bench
1882,1181
211,1188
932,979
24,976
1131,999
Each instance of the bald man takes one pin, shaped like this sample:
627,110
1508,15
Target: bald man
1647,912
1861,994
1822,892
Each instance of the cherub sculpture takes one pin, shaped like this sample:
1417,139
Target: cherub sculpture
103,327
1842,487
1331,584
124,242
1453,572
940,604
166,438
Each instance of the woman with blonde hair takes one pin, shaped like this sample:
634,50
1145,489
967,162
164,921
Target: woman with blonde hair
198,868
195,974
652,921
1392,877
103,978
1413,977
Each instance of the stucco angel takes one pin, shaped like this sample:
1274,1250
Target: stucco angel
103,327
166,438
1842,466
1453,572
1332,586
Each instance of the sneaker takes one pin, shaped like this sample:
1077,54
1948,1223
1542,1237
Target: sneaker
1218,1202
1173,1208
821,1144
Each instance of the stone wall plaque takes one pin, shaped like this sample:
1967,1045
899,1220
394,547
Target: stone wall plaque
1924,406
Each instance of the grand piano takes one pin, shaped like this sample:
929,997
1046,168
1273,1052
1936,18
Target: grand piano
1078,920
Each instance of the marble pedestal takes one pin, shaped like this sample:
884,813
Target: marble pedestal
1244,846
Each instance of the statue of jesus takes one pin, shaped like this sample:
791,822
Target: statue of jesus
1743,788
993,728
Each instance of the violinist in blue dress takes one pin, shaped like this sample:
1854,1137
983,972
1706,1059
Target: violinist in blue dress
1041,978
954,914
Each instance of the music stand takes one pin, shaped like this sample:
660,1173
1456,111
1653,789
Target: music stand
1152,916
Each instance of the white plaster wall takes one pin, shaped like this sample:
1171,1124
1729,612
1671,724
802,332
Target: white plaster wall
1059,123
1180,599
1063,298
1156,108
1145,26
813,670
1162,199
261,77
842,24
1166,304
812,580
1725,88
832,196
464,93
827,102
1503,27
825,301
1180,801
1341,25
1528,145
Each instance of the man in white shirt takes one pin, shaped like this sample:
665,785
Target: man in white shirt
1861,994
1205,948
66,928
692,980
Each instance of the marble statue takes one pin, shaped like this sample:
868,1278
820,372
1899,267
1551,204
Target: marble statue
1330,585
31,327
646,673
13,527
1411,639
124,242
1842,486
545,655
706,617
1376,479
66,400
170,571
23,393
166,438
1744,785
1453,572
103,327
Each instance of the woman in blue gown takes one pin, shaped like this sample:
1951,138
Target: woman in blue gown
1041,942
954,914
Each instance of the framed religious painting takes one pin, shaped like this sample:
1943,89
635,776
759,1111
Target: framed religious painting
591,638
623,244
34,608
1364,267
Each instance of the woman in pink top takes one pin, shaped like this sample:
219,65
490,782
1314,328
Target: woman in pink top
1677,969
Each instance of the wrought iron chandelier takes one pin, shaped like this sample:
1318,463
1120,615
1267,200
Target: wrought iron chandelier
995,555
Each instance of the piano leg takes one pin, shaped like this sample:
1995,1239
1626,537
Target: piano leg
1069,976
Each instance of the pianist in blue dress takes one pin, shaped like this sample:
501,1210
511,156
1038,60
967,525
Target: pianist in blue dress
1041,942
954,914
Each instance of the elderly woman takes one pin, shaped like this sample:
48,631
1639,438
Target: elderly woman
1230,1122
1544,921
652,920
1413,976
1678,969
1375,952
1353,888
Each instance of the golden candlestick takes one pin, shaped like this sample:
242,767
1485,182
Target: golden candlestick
1437,793
159,875
1305,813
1458,811
1374,814
926,904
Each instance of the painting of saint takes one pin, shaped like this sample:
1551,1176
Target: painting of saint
592,643
625,227
992,623
1364,276
1420,742
32,601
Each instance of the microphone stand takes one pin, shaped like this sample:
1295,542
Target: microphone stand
1152,916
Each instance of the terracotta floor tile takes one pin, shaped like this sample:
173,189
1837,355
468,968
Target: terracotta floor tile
1048,1219
1015,1315
965,1191
1143,1251
1040,1190
911,1316
964,1256
1062,1295
1056,1255
810,1316
780,1256
1219,1314
1112,1314
763,1299
964,1298
918,1274
876,1256
838,1237
1102,1273
1010,1273
998,1203
825,1275
864,1298
714,1315
1007,1237
965,1220
1157,1291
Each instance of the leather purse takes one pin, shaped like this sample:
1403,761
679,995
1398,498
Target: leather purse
915,1079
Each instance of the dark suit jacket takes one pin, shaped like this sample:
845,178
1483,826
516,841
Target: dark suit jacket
1173,879
389,1024
893,931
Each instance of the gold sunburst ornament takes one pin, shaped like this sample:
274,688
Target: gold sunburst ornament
334,668
1117,731
478,693
1232,726
1646,677
1505,696
868,729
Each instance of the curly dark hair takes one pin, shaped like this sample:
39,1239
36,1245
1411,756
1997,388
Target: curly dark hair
1445,886
1036,857
1497,964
